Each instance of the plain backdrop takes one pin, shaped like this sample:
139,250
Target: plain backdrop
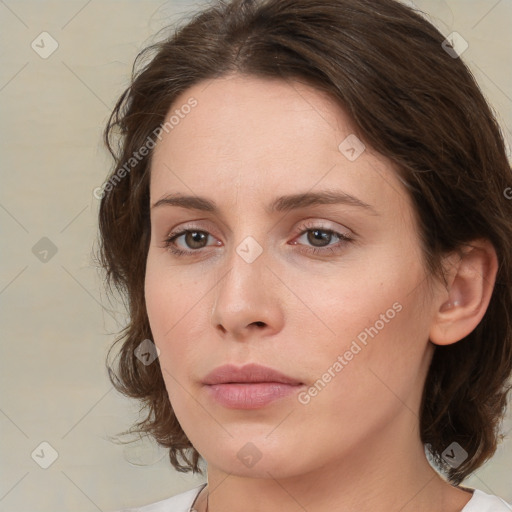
56,322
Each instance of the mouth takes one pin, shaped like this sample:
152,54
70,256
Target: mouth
248,387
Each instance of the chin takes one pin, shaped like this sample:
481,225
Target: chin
256,457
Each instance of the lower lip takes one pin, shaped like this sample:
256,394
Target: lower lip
250,396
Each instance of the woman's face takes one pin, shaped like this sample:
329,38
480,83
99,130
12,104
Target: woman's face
266,277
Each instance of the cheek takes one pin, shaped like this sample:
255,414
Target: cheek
176,305
372,334
364,295
370,375
169,297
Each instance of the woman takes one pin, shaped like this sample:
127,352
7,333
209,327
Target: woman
308,218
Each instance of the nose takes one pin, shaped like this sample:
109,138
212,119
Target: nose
247,297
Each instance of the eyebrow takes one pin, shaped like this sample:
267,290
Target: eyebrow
279,204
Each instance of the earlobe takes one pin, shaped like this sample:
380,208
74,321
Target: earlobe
461,307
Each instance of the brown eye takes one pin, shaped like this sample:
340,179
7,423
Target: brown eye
195,239
317,239
321,236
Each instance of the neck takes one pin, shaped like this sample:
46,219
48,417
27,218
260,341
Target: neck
389,475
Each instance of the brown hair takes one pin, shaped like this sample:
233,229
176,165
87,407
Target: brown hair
412,102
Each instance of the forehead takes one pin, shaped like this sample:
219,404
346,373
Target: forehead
263,137
241,115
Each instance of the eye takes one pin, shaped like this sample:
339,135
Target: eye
318,236
320,239
193,238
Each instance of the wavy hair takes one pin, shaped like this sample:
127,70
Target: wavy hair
411,101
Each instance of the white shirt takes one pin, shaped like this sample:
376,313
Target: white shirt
480,502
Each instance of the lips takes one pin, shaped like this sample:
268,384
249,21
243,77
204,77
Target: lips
248,387
250,373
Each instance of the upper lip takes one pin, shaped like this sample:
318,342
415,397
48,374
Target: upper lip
249,373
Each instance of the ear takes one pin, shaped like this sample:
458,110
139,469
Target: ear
470,282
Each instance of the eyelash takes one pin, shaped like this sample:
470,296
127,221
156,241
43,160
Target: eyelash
344,239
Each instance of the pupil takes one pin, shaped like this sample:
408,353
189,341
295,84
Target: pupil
323,236
196,237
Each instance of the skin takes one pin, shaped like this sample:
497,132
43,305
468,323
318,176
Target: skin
355,445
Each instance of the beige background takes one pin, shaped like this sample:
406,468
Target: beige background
56,332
